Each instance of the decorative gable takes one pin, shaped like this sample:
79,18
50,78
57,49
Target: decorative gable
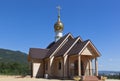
86,52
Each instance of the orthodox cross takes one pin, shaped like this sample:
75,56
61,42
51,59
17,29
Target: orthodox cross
59,8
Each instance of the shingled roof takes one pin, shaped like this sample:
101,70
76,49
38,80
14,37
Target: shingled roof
77,47
38,53
58,44
66,45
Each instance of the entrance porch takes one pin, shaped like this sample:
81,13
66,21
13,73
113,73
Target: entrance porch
82,65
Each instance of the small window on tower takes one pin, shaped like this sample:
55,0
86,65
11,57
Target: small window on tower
59,66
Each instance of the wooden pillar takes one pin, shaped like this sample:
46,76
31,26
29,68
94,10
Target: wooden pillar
96,67
79,65
90,67
65,66
50,66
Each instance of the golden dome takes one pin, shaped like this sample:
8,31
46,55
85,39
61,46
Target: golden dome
58,26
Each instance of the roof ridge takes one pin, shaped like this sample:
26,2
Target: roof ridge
87,40
80,38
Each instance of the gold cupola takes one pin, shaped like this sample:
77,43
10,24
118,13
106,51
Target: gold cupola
58,27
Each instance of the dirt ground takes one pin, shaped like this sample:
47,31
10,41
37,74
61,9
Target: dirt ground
27,78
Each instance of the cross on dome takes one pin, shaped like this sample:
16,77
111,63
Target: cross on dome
59,8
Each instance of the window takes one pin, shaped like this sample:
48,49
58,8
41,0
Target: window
59,66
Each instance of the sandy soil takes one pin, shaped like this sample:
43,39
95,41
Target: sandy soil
27,78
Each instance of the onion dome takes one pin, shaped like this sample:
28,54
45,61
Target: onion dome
58,26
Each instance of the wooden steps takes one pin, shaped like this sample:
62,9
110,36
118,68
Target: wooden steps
91,78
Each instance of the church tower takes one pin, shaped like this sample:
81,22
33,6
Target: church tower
58,27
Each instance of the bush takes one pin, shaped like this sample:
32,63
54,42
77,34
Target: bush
14,68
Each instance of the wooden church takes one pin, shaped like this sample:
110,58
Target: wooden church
66,57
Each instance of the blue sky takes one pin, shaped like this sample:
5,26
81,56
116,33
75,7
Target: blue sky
29,23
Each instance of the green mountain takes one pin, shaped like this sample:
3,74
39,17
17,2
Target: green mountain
13,63
12,56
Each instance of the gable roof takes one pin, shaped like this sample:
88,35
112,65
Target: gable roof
67,46
38,53
57,45
79,47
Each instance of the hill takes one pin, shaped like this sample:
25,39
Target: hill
13,63
12,56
